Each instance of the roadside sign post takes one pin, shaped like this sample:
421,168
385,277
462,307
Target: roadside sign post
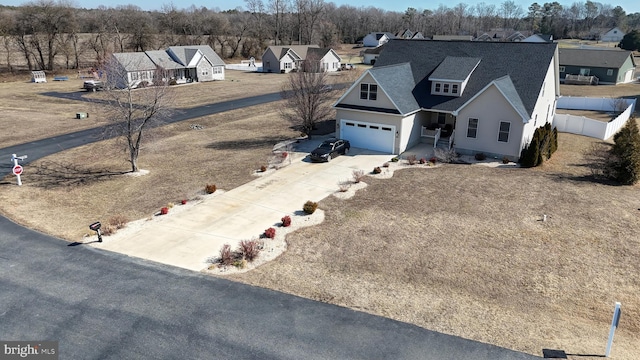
614,325
17,168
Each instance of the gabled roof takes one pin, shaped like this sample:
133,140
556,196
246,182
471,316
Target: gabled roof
320,53
455,68
593,58
397,82
299,51
525,63
134,61
161,58
185,54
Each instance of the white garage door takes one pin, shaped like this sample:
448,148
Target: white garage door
368,135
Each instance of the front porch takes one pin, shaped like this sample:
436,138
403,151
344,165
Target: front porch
437,129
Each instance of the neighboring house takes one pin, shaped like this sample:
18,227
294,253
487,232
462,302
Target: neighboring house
180,63
375,39
482,97
284,59
484,37
539,38
516,37
369,56
417,36
404,34
609,66
612,35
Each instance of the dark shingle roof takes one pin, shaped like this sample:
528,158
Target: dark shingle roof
375,50
318,53
397,82
593,58
525,63
455,68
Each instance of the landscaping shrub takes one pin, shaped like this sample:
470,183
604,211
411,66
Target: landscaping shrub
286,221
270,233
183,202
358,175
310,207
118,221
395,159
422,161
240,264
386,165
164,211
625,163
344,186
377,170
505,160
411,159
263,168
210,188
433,160
226,256
480,156
170,205
173,82
249,249
107,230
543,144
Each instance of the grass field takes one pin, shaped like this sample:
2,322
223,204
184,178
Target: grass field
459,248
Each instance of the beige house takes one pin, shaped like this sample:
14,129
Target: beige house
284,59
474,97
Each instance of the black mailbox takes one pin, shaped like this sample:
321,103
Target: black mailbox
95,226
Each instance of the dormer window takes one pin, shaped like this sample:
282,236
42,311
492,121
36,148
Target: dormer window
438,87
454,89
446,88
452,75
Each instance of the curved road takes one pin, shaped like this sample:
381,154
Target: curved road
103,305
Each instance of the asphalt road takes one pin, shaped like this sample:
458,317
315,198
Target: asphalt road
103,305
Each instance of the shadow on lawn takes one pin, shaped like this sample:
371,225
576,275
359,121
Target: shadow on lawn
53,174
254,143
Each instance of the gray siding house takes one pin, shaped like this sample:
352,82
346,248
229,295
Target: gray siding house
479,97
609,66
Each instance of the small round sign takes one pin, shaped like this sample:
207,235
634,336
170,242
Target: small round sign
17,170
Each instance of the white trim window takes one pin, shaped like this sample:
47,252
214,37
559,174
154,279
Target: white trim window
217,69
503,132
472,128
561,69
288,65
609,72
368,92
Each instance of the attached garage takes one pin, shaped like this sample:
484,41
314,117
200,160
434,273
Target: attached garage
372,136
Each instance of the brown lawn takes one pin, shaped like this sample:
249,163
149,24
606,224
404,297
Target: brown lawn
458,249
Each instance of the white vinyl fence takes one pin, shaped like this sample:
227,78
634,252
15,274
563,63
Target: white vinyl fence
588,127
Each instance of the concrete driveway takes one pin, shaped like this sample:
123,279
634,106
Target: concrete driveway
187,238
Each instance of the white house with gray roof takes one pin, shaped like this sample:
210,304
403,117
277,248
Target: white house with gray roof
284,59
180,63
377,38
478,97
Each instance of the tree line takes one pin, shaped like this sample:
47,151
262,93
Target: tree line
48,33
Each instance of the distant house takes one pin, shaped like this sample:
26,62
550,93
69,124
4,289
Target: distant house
404,34
180,63
284,59
609,66
484,37
505,35
612,35
369,56
539,38
479,97
375,39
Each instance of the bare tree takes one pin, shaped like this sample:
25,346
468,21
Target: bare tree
134,111
308,97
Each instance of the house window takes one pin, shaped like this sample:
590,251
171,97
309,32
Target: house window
442,118
446,88
437,89
288,65
454,88
472,129
585,72
368,92
134,76
609,72
561,69
205,72
217,70
503,133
